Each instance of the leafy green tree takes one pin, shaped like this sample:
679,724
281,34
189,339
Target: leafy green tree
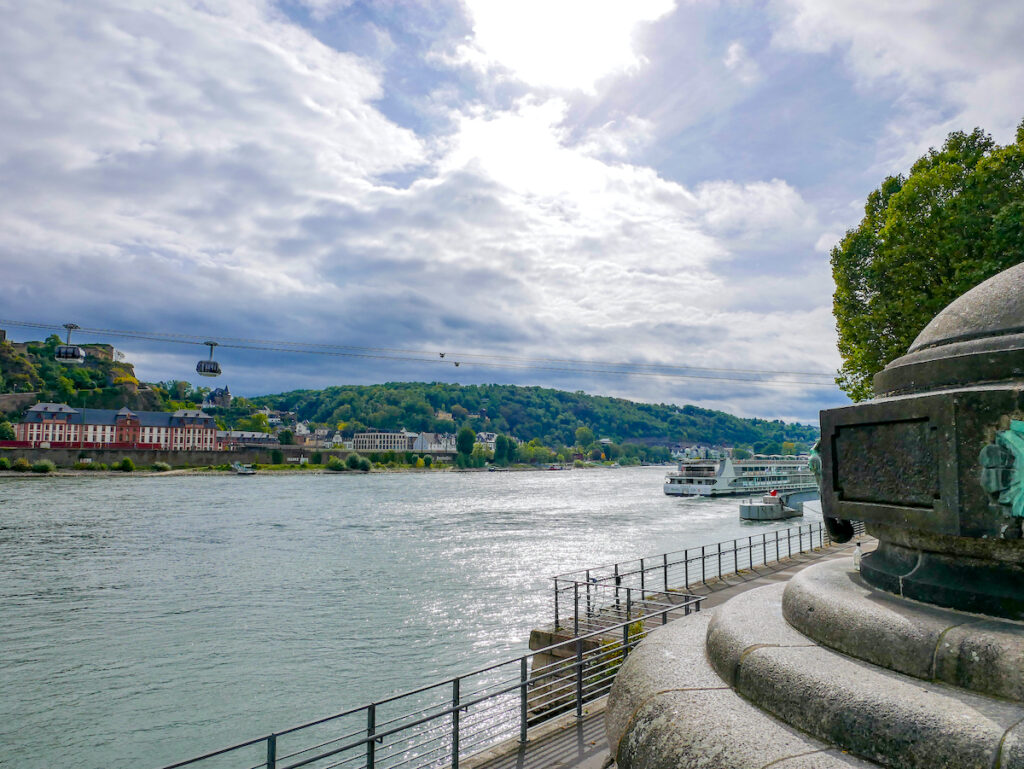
286,438
6,431
464,441
741,454
277,457
584,436
956,220
256,423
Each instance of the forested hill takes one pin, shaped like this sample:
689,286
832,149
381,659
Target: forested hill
529,412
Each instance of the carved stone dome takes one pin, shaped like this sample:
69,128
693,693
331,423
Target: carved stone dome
978,338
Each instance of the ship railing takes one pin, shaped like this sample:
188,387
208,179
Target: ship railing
667,576
440,724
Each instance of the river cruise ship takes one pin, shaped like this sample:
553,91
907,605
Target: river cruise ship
725,477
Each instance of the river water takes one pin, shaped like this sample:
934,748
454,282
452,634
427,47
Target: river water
144,620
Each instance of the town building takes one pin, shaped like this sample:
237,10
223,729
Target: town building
57,425
220,396
231,439
380,440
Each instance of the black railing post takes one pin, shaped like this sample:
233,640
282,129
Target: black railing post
789,543
750,552
590,611
576,608
686,569
664,568
719,560
618,581
524,681
735,557
556,603
272,751
371,727
703,576
642,588
777,558
579,678
455,723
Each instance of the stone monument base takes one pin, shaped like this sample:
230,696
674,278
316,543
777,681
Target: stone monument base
824,671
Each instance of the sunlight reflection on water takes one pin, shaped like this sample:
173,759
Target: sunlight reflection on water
150,619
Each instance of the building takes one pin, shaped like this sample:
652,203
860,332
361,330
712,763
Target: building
231,439
383,441
487,440
57,425
434,443
221,396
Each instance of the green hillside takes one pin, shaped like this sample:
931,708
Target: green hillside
529,412
99,382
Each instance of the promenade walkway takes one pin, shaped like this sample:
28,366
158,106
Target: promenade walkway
568,743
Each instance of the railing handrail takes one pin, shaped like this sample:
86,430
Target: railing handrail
560,577
693,601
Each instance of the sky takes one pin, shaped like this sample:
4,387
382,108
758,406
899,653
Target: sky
653,182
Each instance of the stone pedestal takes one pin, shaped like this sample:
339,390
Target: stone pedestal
916,660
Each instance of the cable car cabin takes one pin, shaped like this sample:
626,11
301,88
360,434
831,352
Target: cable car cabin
208,368
69,353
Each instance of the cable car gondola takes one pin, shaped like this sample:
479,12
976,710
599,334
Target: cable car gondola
208,367
69,353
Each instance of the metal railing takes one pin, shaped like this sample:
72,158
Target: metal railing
437,724
670,575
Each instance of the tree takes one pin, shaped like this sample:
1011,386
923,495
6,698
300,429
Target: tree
954,221
6,431
286,438
584,436
501,444
741,454
464,441
256,423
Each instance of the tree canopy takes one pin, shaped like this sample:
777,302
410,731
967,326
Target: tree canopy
954,221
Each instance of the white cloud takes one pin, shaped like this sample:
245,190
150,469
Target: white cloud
224,172
948,65
738,61
562,44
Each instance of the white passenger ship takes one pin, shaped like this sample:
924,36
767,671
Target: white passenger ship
715,478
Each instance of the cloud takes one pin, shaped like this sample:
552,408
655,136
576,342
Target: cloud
947,65
738,61
569,44
178,168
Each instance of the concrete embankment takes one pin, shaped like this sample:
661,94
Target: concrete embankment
146,457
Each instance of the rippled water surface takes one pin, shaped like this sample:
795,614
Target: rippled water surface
145,620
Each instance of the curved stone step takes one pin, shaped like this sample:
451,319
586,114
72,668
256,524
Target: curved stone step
886,717
832,604
669,709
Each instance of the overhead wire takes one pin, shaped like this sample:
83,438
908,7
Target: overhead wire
483,360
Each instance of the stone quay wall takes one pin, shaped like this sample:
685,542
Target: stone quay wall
146,457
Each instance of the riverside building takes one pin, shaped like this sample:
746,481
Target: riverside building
58,426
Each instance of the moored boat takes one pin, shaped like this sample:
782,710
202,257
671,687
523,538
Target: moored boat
726,477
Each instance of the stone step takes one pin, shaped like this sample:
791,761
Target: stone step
835,607
886,717
669,709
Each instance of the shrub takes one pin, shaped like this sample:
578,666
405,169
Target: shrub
125,465
161,467
255,466
364,464
5,463
277,457
352,461
84,466
21,465
101,466
428,460
335,464
44,466
316,458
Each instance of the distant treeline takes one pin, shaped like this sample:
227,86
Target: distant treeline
552,416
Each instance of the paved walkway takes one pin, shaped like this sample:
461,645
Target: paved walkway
568,743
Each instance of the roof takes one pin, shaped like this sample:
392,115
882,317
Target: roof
41,411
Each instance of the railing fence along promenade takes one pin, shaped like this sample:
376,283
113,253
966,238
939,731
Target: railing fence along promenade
435,726
587,597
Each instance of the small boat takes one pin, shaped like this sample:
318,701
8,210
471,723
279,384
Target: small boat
241,469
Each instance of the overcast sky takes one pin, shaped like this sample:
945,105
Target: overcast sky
646,180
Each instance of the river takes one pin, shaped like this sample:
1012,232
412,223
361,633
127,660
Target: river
144,620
